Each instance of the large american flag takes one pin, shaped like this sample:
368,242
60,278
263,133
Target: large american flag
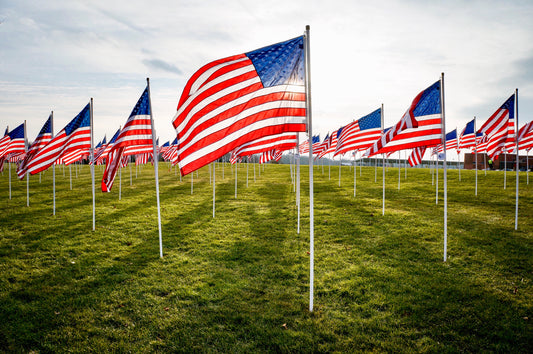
136,132
43,138
75,136
360,134
497,126
421,125
238,99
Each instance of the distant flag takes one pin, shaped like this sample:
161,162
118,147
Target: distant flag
451,142
136,132
76,135
360,134
497,126
270,155
467,139
421,125
332,144
238,99
320,147
416,156
42,139
15,142
280,142
304,147
102,154
525,136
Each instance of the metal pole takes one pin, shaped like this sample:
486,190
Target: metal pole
383,162
475,149
311,201
27,174
445,168
213,169
156,158
92,162
517,162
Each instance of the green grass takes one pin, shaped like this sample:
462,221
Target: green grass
240,282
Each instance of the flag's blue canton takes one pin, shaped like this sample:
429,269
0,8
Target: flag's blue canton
429,102
339,133
166,144
372,120
142,107
114,138
83,119
479,134
469,129
17,133
281,63
47,127
451,135
98,145
509,105
387,129
104,141
7,131
316,139
175,141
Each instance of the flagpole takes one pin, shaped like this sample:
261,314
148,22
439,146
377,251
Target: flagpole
53,166
445,174
213,169
236,166
383,163
156,158
27,174
311,201
517,162
354,176
475,148
92,160
504,168
120,182
297,156
399,169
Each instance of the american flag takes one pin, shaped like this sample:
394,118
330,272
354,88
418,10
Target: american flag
451,142
76,135
467,139
416,156
525,136
102,153
331,144
304,147
232,101
279,142
136,132
14,143
270,155
144,158
497,126
360,134
74,156
421,125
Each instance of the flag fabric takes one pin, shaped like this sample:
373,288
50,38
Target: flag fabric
270,155
76,135
496,128
421,125
331,144
451,142
42,139
360,134
15,142
238,99
467,139
416,156
144,158
136,132
279,142
103,153
525,136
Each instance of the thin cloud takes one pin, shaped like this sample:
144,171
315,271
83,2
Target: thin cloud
162,65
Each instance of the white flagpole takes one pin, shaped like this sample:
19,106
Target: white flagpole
437,179
504,169
399,169
236,166
517,161
298,180
156,158
92,160
131,177
213,169
53,168
354,176
70,174
247,163
254,169
475,149
445,174
27,174
340,165
119,182
527,165
383,162
311,201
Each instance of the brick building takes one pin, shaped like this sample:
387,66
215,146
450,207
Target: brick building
499,163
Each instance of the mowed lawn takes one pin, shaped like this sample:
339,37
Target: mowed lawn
239,282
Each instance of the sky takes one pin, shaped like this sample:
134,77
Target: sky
55,55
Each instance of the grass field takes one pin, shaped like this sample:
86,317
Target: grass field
239,282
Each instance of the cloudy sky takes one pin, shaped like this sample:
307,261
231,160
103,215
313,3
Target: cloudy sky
57,54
